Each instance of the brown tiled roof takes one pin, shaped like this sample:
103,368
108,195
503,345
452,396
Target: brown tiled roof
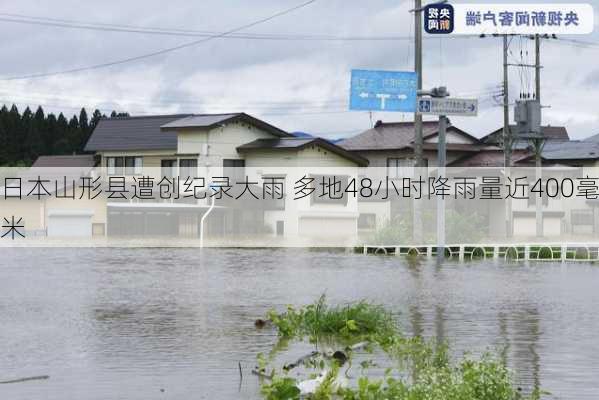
557,133
487,158
387,136
456,147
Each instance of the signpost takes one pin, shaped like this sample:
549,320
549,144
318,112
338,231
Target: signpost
438,102
383,90
447,106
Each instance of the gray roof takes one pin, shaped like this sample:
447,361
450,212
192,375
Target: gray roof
286,143
594,138
199,121
394,136
133,133
74,161
299,143
58,172
155,132
209,121
574,150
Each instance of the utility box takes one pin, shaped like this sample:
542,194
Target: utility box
527,115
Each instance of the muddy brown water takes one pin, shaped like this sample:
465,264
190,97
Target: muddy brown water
174,323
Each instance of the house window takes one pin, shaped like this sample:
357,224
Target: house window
188,168
168,168
115,165
124,165
133,165
400,167
234,170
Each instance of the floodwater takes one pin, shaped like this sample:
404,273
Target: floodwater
174,324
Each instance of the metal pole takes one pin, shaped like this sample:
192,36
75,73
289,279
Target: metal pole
203,219
539,144
418,138
441,160
507,136
538,67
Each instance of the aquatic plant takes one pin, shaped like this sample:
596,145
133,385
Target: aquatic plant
350,321
280,388
423,370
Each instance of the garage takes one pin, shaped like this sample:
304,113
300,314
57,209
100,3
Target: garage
70,223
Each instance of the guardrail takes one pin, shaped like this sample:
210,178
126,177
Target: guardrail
575,252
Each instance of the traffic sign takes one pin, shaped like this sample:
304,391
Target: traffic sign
383,90
447,106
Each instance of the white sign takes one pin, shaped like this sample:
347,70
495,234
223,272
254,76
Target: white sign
447,106
477,19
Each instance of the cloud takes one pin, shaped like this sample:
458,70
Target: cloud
299,85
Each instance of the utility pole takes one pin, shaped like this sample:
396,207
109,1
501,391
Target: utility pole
417,226
538,67
540,142
440,92
507,136
442,162
418,140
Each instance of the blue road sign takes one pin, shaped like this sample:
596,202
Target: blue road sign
383,90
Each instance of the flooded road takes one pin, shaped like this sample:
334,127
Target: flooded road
171,324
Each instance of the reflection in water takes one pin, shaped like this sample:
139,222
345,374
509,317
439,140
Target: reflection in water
440,324
526,335
107,323
417,321
504,341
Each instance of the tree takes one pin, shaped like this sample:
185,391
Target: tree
26,136
38,138
114,114
96,117
61,139
84,129
4,158
26,142
73,136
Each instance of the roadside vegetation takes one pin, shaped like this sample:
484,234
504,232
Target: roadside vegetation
461,227
421,370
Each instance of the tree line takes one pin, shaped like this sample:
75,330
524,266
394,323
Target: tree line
27,135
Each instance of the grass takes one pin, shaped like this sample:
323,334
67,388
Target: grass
422,370
351,321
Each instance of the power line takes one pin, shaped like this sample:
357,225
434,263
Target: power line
64,23
163,51
190,33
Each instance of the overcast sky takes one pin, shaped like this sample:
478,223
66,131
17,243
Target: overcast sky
297,85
